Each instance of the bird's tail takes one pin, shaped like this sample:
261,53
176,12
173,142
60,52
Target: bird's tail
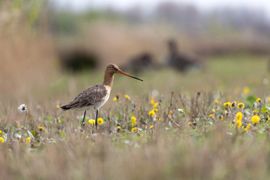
65,107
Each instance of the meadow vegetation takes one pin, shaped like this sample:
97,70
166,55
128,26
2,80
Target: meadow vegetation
209,123
170,126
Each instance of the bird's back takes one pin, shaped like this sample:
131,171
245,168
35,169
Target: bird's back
89,97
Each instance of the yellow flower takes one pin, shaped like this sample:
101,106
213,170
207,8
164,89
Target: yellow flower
134,130
255,112
239,116
212,115
241,105
246,90
259,100
238,124
152,101
238,119
216,101
155,105
100,121
2,140
1,132
152,113
227,105
151,126
116,98
255,119
247,128
28,140
41,128
118,128
233,104
127,97
91,122
133,121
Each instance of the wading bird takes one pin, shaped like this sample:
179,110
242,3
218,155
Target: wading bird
96,96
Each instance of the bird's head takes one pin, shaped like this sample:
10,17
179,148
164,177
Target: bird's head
113,68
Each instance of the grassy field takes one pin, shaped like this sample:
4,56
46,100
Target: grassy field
210,123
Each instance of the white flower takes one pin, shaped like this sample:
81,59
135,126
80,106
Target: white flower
180,110
18,136
22,108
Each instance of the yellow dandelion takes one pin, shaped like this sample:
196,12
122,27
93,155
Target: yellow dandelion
238,119
239,116
28,140
227,105
212,116
100,121
127,97
233,104
134,130
241,105
246,90
247,128
91,122
133,121
216,101
155,105
256,112
41,128
152,113
116,98
259,100
118,128
2,140
255,119
238,124
152,101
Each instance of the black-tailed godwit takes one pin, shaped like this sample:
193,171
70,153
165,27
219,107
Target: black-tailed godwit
96,96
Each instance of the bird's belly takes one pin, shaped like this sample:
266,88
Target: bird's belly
102,102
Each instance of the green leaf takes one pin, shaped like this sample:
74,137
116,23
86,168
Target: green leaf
264,109
250,100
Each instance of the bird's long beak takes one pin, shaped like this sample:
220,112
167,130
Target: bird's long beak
128,75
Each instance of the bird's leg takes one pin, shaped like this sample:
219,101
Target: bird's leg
96,123
83,120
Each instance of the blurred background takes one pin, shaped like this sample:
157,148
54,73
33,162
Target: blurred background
53,47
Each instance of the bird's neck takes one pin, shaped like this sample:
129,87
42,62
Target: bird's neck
108,79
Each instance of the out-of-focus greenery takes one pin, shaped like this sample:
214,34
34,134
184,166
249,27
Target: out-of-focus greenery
31,10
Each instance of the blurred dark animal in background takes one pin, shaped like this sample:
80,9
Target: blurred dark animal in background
77,60
139,63
179,61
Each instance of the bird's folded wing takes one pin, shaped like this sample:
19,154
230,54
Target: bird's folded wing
89,97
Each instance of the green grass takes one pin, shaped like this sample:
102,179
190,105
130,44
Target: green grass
182,140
